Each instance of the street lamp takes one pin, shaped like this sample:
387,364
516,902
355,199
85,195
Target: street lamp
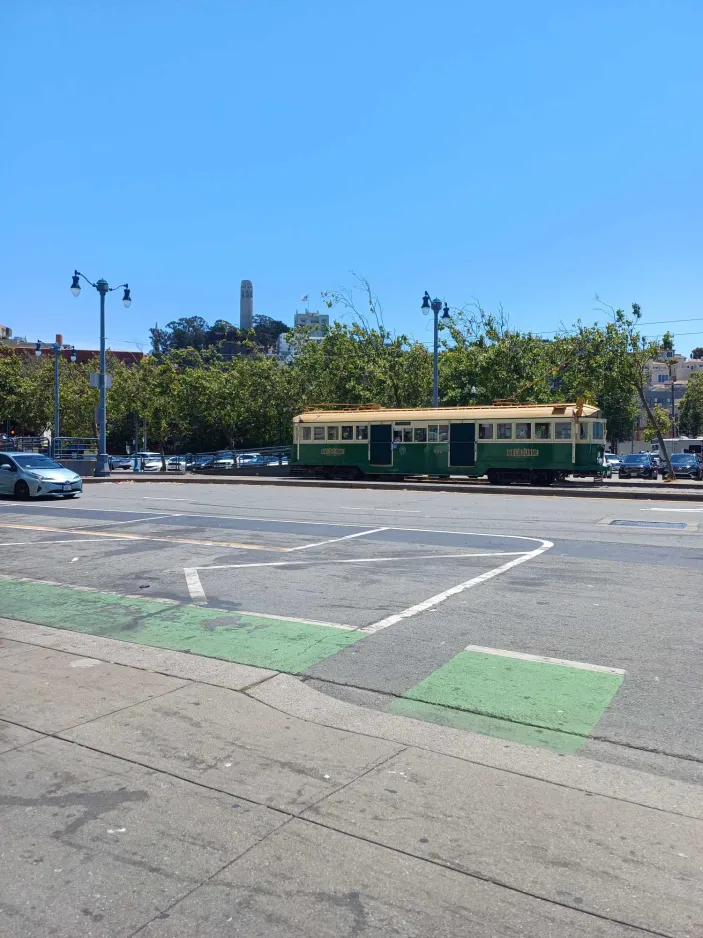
102,467
436,306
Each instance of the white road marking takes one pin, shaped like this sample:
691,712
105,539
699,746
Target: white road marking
163,498
671,509
102,524
441,597
317,563
334,540
73,540
394,511
265,615
195,587
562,662
121,511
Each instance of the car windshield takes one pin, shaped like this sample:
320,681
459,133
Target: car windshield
635,460
35,461
683,459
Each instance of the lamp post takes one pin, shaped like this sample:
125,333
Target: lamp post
56,348
102,467
436,306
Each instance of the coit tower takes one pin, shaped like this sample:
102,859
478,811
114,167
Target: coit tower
246,306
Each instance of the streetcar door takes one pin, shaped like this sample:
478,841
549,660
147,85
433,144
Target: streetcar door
381,446
462,444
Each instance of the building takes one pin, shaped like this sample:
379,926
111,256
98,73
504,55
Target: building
669,375
22,346
246,306
5,332
316,325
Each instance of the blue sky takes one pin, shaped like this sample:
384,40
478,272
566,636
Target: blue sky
533,154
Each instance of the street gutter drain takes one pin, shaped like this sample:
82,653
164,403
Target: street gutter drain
652,524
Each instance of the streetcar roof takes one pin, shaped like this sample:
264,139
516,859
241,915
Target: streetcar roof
446,414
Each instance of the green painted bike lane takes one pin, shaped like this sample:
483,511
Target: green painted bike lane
537,703
281,645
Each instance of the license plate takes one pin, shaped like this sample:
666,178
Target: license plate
67,487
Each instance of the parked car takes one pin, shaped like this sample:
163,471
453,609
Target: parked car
685,466
276,460
27,475
250,459
614,461
148,462
204,462
177,463
120,462
224,460
637,466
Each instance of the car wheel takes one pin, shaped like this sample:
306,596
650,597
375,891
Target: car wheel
22,490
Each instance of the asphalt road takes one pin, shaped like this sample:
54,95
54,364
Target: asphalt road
399,601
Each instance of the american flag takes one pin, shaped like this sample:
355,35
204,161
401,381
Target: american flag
304,299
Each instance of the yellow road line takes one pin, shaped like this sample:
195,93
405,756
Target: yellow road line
137,537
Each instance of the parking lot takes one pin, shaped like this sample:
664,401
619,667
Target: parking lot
565,624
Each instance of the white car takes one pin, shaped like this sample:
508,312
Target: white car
27,475
148,462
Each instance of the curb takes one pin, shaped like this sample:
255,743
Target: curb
688,495
292,696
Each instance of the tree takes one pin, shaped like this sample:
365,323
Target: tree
188,332
267,330
351,298
697,352
691,407
661,425
633,351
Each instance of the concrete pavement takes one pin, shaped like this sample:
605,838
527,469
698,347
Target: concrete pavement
153,792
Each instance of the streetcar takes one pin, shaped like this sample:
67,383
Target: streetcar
506,442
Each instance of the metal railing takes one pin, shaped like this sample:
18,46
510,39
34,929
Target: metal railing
75,447
25,444
229,460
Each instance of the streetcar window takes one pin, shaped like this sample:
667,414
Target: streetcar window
444,433
597,430
307,433
505,431
332,433
318,433
397,436
562,430
583,431
362,433
432,431
523,431
347,433
420,435
407,436
543,431
485,431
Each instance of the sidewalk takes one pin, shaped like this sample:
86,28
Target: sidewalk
162,794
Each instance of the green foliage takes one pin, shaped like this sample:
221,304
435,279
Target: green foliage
661,424
697,352
196,393
193,332
691,407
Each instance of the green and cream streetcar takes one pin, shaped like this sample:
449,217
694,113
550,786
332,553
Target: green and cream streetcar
507,442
